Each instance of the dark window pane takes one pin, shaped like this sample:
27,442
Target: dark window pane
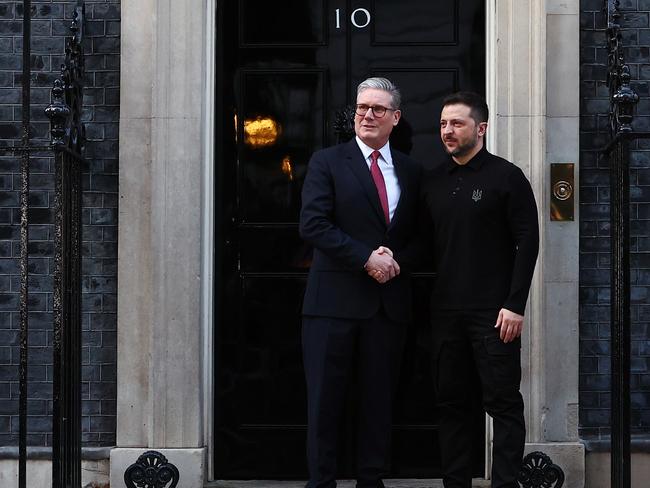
282,124
271,389
283,250
286,22
419,22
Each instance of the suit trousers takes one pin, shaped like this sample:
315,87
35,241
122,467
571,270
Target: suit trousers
467,345
331,348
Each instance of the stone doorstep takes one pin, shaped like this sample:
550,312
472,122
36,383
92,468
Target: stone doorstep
478,483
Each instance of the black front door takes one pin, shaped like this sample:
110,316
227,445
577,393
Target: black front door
286,71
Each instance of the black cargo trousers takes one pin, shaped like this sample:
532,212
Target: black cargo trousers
466,345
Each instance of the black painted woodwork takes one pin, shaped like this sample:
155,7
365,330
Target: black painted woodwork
288,61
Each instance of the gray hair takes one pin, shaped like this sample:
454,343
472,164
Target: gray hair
382,84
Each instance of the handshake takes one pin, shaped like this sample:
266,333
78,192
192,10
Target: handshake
381,266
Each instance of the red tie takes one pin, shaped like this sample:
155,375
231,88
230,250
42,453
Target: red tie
380,184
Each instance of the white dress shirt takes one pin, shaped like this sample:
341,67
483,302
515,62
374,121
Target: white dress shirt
385,163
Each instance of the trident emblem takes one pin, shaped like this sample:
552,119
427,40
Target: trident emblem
476,196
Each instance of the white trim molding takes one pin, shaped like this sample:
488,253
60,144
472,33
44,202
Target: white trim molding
166,235
207,232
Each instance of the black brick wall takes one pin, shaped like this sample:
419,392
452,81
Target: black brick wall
595,399
50,24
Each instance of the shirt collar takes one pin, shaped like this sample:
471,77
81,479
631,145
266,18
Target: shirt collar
475,163
367,150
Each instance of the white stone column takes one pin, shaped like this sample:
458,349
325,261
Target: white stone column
562,245
533,94
161,337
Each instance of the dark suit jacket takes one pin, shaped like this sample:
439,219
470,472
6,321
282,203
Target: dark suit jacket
342,219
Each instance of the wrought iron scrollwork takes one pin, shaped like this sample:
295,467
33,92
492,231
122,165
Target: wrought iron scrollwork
65,109
58,112
151,470
622,97
344,124
624,100
538,471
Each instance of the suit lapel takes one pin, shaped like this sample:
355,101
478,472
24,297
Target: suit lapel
357,164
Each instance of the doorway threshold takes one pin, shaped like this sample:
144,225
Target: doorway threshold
392,483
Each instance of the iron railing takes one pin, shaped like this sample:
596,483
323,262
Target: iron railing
66,147
622,101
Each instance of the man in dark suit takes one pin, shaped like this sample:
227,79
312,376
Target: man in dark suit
359,204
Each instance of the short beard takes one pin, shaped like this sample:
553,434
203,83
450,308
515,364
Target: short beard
462,150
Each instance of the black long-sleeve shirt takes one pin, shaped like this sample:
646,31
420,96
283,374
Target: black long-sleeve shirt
484,233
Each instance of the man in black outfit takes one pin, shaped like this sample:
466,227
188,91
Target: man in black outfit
485,242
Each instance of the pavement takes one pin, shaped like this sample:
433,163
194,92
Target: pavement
340,484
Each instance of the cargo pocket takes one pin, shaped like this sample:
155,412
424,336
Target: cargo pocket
504,362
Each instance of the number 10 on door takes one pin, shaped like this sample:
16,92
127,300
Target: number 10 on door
359,18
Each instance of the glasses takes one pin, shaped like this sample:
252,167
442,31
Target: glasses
377,110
